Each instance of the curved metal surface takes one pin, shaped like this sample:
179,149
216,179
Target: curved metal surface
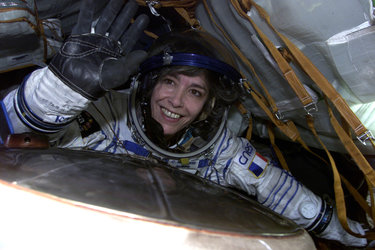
144,191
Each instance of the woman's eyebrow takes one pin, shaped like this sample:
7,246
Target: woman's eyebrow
202,85
197,85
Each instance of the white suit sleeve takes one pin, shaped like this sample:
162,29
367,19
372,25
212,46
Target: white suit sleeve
278,190
43,103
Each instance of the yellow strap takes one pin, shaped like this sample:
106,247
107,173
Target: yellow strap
245,113
345,126
284,66
249,131
277,150
349,117
310,69
352,149
299,89
350,188
288,128
270,102
357,196
151,34
339,194
193,22
372,204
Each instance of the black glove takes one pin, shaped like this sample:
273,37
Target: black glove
93,63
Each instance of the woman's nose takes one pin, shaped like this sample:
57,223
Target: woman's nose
177,98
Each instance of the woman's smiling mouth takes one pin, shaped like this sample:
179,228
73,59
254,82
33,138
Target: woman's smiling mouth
170,114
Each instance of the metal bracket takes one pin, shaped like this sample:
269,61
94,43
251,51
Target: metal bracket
279,115
154,12
167,58
242,87
242,80
311,107
196,27
365,136
151,5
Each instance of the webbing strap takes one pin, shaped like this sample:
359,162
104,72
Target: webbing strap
345,112
245,113
184,13
345,126
372,204
313,72
339,193
284,66
151,34
357,196
352,149
270,102
277,150
288,128
249,131
339,102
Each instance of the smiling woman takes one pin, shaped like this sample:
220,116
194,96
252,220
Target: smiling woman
187,87
177,101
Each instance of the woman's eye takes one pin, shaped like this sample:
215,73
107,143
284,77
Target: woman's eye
168,81
196,92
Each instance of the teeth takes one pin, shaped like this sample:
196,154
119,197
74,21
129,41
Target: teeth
170,114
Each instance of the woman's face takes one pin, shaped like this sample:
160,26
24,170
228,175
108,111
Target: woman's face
177,100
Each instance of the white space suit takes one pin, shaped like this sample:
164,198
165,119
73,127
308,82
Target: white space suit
46,104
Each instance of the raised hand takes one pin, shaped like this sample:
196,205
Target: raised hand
96,58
